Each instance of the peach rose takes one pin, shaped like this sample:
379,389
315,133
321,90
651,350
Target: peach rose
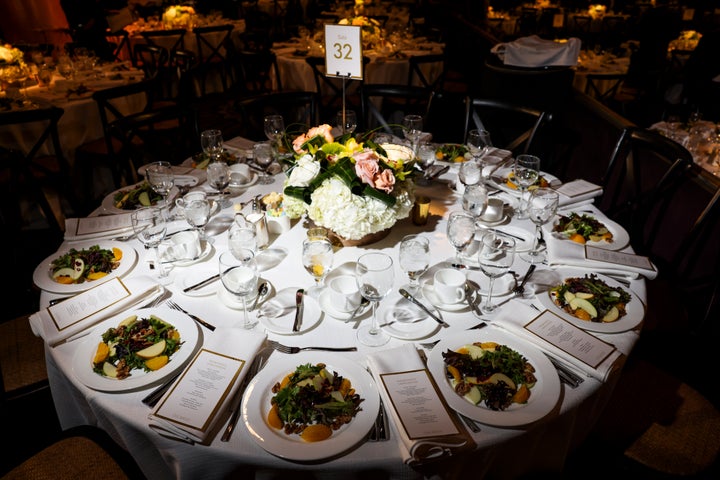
385,181
366,168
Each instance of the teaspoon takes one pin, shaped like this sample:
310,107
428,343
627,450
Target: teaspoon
363,303
262,290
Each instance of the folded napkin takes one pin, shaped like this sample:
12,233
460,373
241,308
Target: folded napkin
578,192
220,365
534,51
419,450
77,315
565,253
514,320
87,228
239,143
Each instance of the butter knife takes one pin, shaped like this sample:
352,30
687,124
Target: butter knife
299,309
256,366
201,284
414,300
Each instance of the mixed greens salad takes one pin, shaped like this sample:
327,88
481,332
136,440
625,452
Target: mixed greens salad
581,228
451,152
590,298
141,195
79,266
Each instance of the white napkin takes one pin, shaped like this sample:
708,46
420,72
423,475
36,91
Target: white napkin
402,359
142,288
234,343
565,253
534,51
87,228
514,320
578,192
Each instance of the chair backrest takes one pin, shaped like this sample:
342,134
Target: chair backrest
151,59
255,70
213,42
603,87
383,106
120,43
170,39
427,71
512,126
299,110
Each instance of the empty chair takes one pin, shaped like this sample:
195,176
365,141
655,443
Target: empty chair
213,42
257,71
22,360
604,87
384,106
299,111
427,71
169,39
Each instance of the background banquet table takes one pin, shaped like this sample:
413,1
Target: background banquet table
501,452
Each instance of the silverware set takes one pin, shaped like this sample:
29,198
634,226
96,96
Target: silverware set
286,349
257,365
381,429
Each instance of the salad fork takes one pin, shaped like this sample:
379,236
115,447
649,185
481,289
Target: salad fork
199,320
285,349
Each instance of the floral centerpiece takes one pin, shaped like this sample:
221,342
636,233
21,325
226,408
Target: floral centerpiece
12,64
687,40
179,16
371,33
353,188
597,11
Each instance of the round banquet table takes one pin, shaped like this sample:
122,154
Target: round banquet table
501,452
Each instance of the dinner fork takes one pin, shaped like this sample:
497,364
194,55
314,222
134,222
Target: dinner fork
285,349
199,320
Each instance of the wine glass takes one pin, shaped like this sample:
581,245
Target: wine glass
161,179
479,143
469,173
542,206
413,125
460,231
348,124
375,277
274,126
218,177
197,214
475,200
317,258
526,171
242,236
211,142
239,276
414,258
263,156
495,256
150,226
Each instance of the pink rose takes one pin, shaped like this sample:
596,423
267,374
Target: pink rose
385,181
323,130
298,142
366,168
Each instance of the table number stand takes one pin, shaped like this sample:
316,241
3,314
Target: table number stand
343,53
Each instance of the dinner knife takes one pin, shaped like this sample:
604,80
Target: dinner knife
299,309
201,284
414,300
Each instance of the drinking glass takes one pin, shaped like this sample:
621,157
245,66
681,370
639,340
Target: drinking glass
469,173
218,177
211,142
414,258
526,171
413,125
161,179
239,276
317,258
375,278
475,200
65,67
263,156
460,231
495,256
479,143
242,237
150,226
274,126
542,206
197,214
349,124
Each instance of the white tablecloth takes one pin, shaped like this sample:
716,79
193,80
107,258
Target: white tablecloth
501,453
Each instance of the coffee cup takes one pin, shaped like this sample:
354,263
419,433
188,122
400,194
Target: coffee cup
494,211
449,285
343,293
240,175
183,245
187,198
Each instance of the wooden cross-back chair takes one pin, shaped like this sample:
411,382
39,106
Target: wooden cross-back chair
213,42
383,106
427,71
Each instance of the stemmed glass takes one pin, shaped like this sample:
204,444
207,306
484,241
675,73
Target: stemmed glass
375,278
274,126
475,200
460,231
218,177
150,226
542,206
478,142
263,156
349,124
414,258
317,258
496,256
413,125
211,142
469,173
239,276
161,179
525,173
197,214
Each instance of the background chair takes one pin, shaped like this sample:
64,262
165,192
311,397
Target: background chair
169,39
427,71
383,106
330,89
22,360
299,110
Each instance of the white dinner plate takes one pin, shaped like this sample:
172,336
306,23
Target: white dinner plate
498,180
280,313
400,318
544,396
82,360
621,238
42,276
108,203
635,308
256,405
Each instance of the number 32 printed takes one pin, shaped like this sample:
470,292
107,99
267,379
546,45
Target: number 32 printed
339,48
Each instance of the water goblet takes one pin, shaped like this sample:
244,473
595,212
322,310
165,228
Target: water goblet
161,179
211,142
495,257
242,237
218,177
239,276
470,173
317,258
460,231
197,214
542,206
414,259
375,278
263,156
413,125
150,226
526,172
348,124
479,143
274,127
475,200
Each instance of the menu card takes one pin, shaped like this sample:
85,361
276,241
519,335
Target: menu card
578,192
618,258
198,402
428,430
99,226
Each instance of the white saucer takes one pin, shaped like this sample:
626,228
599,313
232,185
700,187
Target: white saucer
396,315
230,301
428,292
328,308
492,224
184,281
207,250
283,322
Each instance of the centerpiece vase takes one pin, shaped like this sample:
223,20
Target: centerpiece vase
366,240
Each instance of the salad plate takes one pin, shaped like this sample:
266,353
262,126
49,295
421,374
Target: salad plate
279,312
635,308
499,181
256,405
544,396
620,240
42,276
401,319
82,360
108,203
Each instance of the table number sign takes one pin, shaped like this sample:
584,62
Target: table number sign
343,51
